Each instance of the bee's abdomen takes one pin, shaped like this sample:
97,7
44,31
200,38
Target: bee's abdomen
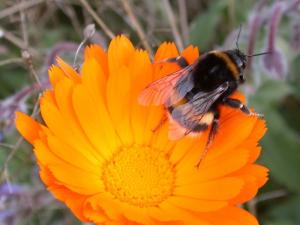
187,117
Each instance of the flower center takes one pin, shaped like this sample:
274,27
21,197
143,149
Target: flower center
140,176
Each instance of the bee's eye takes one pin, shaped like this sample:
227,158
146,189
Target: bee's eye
242,79
240,63
244,65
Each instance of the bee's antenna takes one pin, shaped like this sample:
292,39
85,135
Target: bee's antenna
262,53
238,37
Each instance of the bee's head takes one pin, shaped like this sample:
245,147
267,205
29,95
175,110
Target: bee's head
241,64
240,61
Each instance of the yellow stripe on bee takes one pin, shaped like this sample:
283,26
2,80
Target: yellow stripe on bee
232,67
207,118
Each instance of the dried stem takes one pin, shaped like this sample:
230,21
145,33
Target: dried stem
172,21
11,61
28,59
71,14
136,25
252,205
11,154
23,26
17,7
270,195
183,20
16,41
4,145
25,52
98,20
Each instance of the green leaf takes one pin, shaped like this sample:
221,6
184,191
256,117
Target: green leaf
287,212
281,151
269,93
279,223
203,28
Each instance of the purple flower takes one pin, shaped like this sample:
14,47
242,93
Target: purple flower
275,63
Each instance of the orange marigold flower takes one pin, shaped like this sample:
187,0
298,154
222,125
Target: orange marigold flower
98,154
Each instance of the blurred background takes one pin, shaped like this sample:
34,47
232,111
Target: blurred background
34,32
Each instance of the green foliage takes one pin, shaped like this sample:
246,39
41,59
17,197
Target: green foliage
203,28
287,212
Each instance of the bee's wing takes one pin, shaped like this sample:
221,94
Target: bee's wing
191,113
158,92
202,101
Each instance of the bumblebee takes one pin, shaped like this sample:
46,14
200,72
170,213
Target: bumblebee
194,94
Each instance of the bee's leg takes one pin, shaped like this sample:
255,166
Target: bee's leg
179,60
237,104
161,122
211,135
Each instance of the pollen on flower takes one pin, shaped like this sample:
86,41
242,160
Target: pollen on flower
139,175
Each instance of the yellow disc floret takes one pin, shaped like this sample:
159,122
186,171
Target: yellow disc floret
140,176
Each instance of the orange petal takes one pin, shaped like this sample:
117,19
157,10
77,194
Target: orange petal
154,118
231,216
94,79
240,127
107,203
159,138
159,214
181,214
55,75
95,122
68,70
119,53
231,186
48,96
135,214
73,200
248,191
254,177
165,51
95,215
182,148
78,159
187,163
83,182
258,171
27,126
118,100
141,75
65,131
197,205
191,53
258,131
96,52
254,150
63,93
214,168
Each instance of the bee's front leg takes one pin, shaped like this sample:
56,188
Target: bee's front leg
237,104
179,60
